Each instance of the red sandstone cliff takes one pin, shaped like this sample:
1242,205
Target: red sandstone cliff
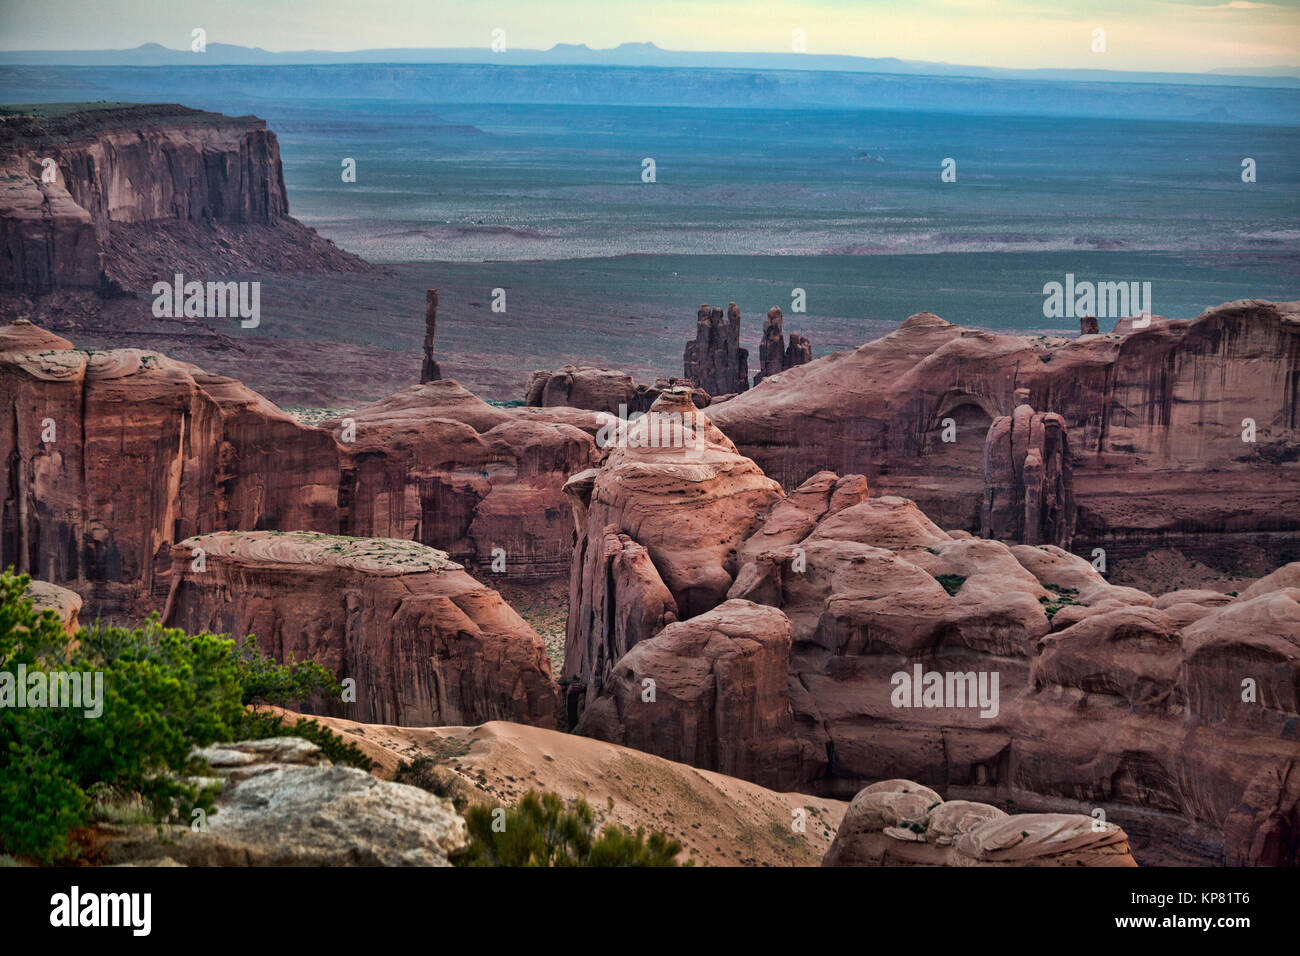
137,193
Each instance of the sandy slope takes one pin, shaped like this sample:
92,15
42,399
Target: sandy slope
719,820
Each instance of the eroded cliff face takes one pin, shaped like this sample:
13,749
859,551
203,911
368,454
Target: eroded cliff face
1155,419
1053,690
108,457
425,643
83,193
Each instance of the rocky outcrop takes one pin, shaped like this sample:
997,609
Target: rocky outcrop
85,193
282,803
424,642
1155,419
600,390
106,458
50,597
677,488
429,371
1028,480
710,691
719,820
773,354
901,823
436,465
715,361
1015,676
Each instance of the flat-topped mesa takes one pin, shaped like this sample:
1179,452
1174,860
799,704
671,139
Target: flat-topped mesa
1028,478
774,356
429,371
85,191
715,361
426,644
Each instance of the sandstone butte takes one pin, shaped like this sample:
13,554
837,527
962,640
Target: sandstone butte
423,641
769,627
100,217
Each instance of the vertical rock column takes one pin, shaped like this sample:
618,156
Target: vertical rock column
773,354
1028,484
429,371
715,361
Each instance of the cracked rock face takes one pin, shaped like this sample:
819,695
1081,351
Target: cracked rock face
284,804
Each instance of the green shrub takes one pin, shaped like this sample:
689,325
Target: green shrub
164,693
539,831
951,582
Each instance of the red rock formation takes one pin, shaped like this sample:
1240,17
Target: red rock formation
429,371
601,390
436,465
213,183
425,642
1028,480
1088,325
901,823
1102,699
1154,418
670,477
108,457
710,692
715,361
774,356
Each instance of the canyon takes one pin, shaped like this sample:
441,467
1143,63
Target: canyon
748,569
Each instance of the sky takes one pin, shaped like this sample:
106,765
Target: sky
1186,36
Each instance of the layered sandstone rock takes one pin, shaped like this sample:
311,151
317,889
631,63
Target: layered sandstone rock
1028,480
117,175
715,361
1053,690
600,390
425,642
675,486
710,691
1154,417
773,354
901,823
108,457
436,465
429,371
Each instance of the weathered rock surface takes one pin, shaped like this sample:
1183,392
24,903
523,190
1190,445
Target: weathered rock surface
1028,480
108,457
710,692
50,597
715,361
774,355
719,820
600,390
429,371
425,642
1102,699
901,823
675,486
436,465
284,804
121,174
1154,418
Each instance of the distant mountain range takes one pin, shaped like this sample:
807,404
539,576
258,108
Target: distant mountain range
628,55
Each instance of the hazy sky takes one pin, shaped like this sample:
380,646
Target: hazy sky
1178,35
